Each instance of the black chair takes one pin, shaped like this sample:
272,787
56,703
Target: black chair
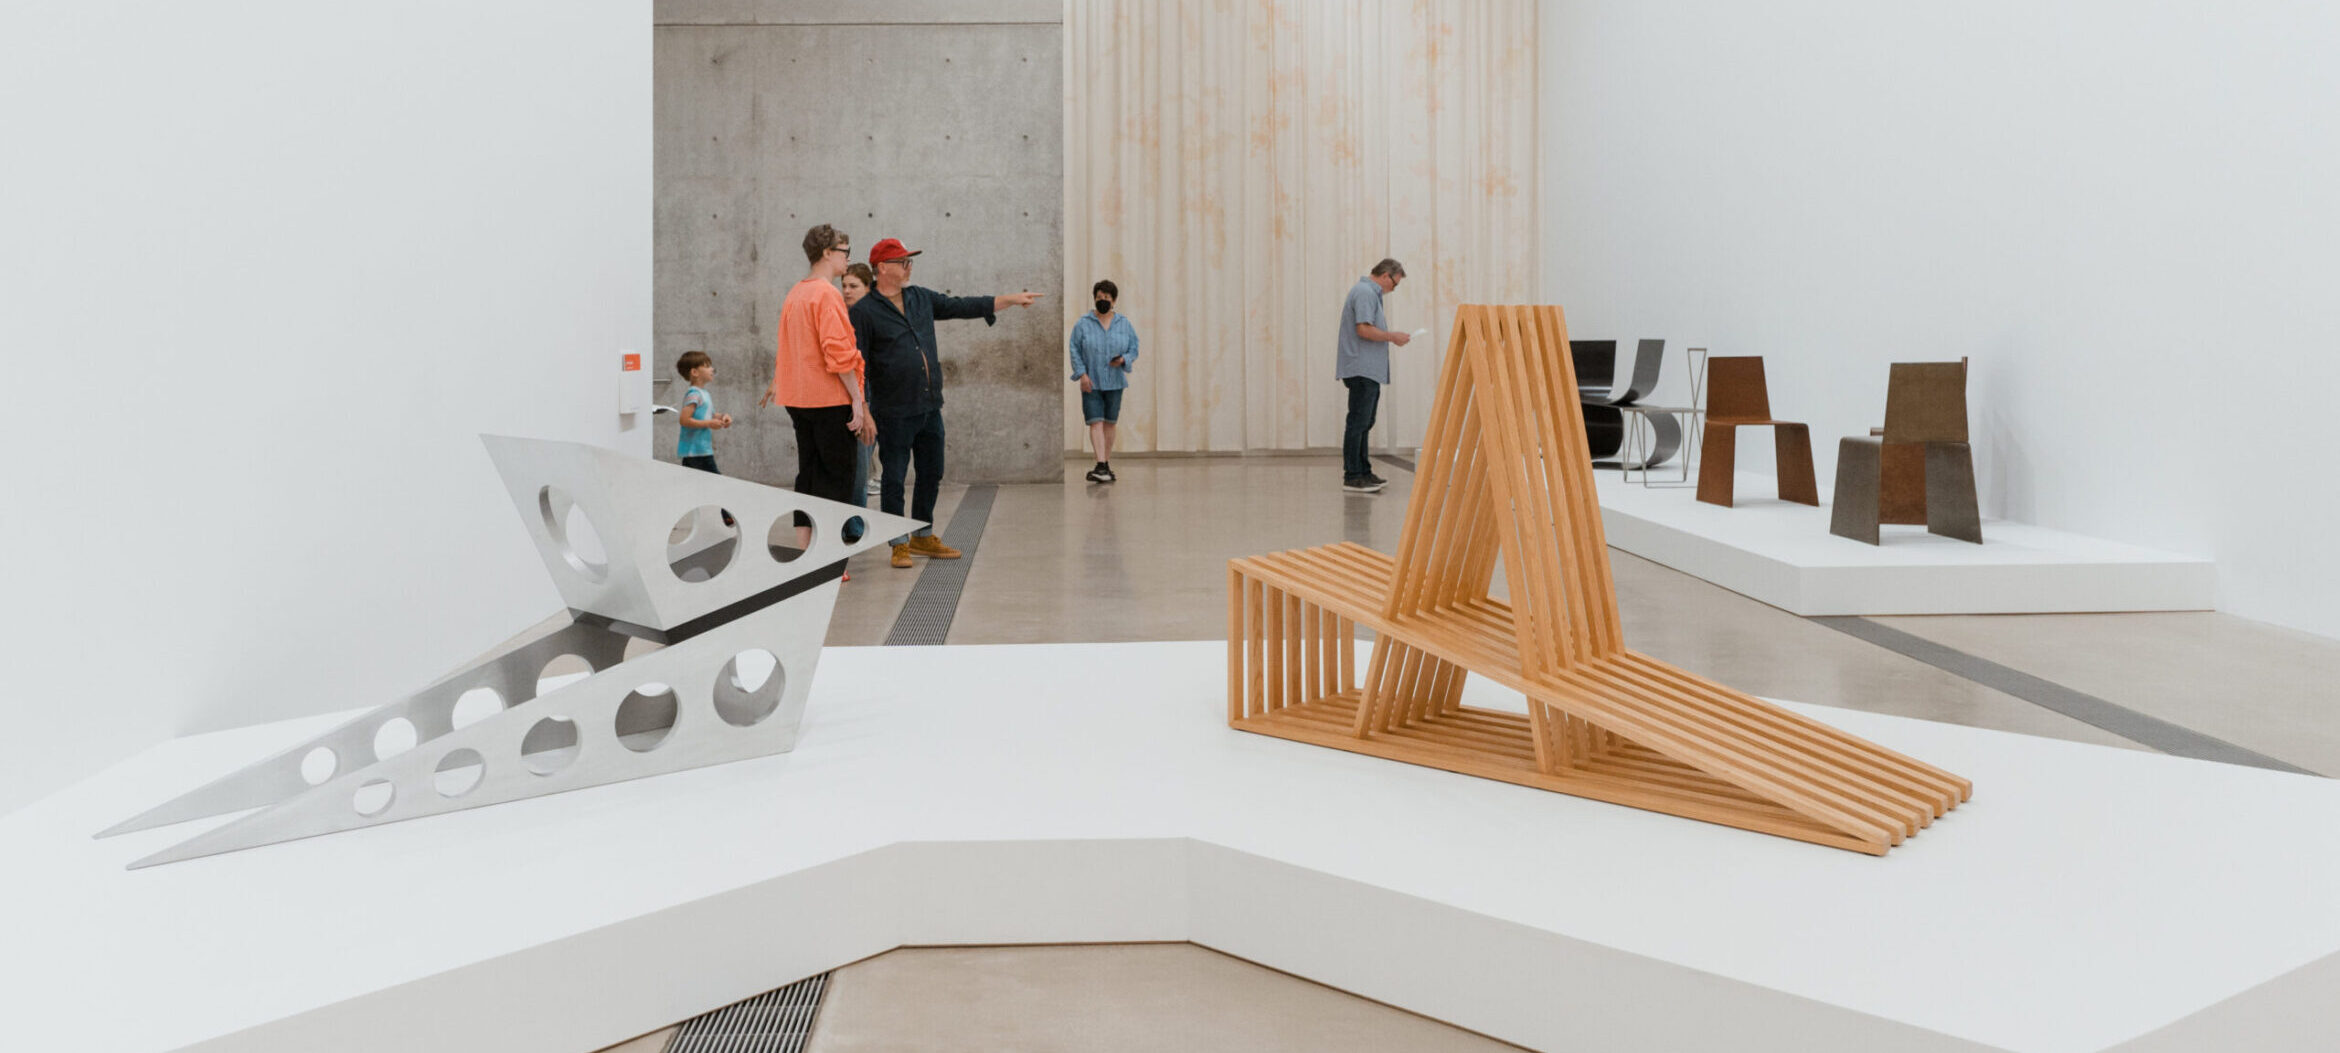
1596,366
1599,397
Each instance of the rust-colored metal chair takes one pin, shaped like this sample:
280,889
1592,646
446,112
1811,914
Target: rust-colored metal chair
1918,468
1737,398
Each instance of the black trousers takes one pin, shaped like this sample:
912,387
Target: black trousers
824,451
1364,405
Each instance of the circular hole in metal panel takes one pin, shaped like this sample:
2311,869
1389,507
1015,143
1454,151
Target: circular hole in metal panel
475,705
791,535
550,745
854,528
395,736
374,797
646,717
318,765
572,532
562,671
749,688
459,772
702,544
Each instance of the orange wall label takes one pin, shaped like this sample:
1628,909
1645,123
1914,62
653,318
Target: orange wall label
633,363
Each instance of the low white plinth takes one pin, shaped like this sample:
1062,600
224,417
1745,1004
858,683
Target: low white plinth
1782,553
2087,897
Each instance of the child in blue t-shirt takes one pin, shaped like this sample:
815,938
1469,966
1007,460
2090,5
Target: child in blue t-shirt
694,444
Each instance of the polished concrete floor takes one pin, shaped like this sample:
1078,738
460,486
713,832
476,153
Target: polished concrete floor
1122,998
1145,559
1136,998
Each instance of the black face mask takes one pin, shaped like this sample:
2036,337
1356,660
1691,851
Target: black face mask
1104,307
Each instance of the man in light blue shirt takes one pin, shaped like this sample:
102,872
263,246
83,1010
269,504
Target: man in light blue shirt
1363,365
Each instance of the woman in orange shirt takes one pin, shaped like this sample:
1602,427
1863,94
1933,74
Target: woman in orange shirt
816,374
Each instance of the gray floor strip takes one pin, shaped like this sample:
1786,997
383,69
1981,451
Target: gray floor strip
934,601
1391,458
2081,706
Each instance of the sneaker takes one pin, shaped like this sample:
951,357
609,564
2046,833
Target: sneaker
873,488
847,576
1361,485
1097,475
1108,470
902,557
931,547
1376,480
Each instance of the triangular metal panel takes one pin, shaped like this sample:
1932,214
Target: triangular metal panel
676,556
721,712
647,572
512,676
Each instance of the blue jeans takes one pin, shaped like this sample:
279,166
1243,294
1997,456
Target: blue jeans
854,527
1101,406
902,440
1364,405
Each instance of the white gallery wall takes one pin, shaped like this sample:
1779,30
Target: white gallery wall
2125,213
266,269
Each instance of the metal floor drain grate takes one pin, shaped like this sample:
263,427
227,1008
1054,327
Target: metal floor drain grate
934,601
778,1021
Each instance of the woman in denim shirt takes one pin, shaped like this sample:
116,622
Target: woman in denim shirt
1104,350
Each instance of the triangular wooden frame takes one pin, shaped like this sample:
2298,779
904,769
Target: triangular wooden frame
1505,472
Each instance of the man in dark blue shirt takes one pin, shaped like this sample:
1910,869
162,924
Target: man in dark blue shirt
895,328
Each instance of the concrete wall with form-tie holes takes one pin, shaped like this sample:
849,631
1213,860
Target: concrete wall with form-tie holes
940,124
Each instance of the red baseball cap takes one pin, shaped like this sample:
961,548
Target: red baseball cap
890,249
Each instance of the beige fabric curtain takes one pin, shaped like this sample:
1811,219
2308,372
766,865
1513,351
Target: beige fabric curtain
1235,166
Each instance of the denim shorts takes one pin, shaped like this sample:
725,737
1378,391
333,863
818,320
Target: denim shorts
1101,405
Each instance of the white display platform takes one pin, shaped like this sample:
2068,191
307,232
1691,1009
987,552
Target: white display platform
1782,553
2086,899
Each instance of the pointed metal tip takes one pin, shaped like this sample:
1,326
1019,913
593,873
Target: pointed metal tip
141,821
192,848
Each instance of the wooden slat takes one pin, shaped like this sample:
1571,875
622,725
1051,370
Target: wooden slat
1236,632
1295,686
1260,639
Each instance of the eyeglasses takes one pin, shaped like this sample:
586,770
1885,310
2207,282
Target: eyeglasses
901,260
846,249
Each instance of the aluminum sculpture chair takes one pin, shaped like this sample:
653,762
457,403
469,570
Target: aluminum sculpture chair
640,553
1648,355
1504,478
1925,426
1737,398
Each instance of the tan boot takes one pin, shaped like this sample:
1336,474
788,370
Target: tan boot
931,547
902,556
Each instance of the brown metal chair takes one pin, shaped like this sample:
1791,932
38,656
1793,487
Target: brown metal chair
1736,398
1919,467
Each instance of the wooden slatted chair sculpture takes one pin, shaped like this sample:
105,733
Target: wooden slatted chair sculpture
1737,398
1504,473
